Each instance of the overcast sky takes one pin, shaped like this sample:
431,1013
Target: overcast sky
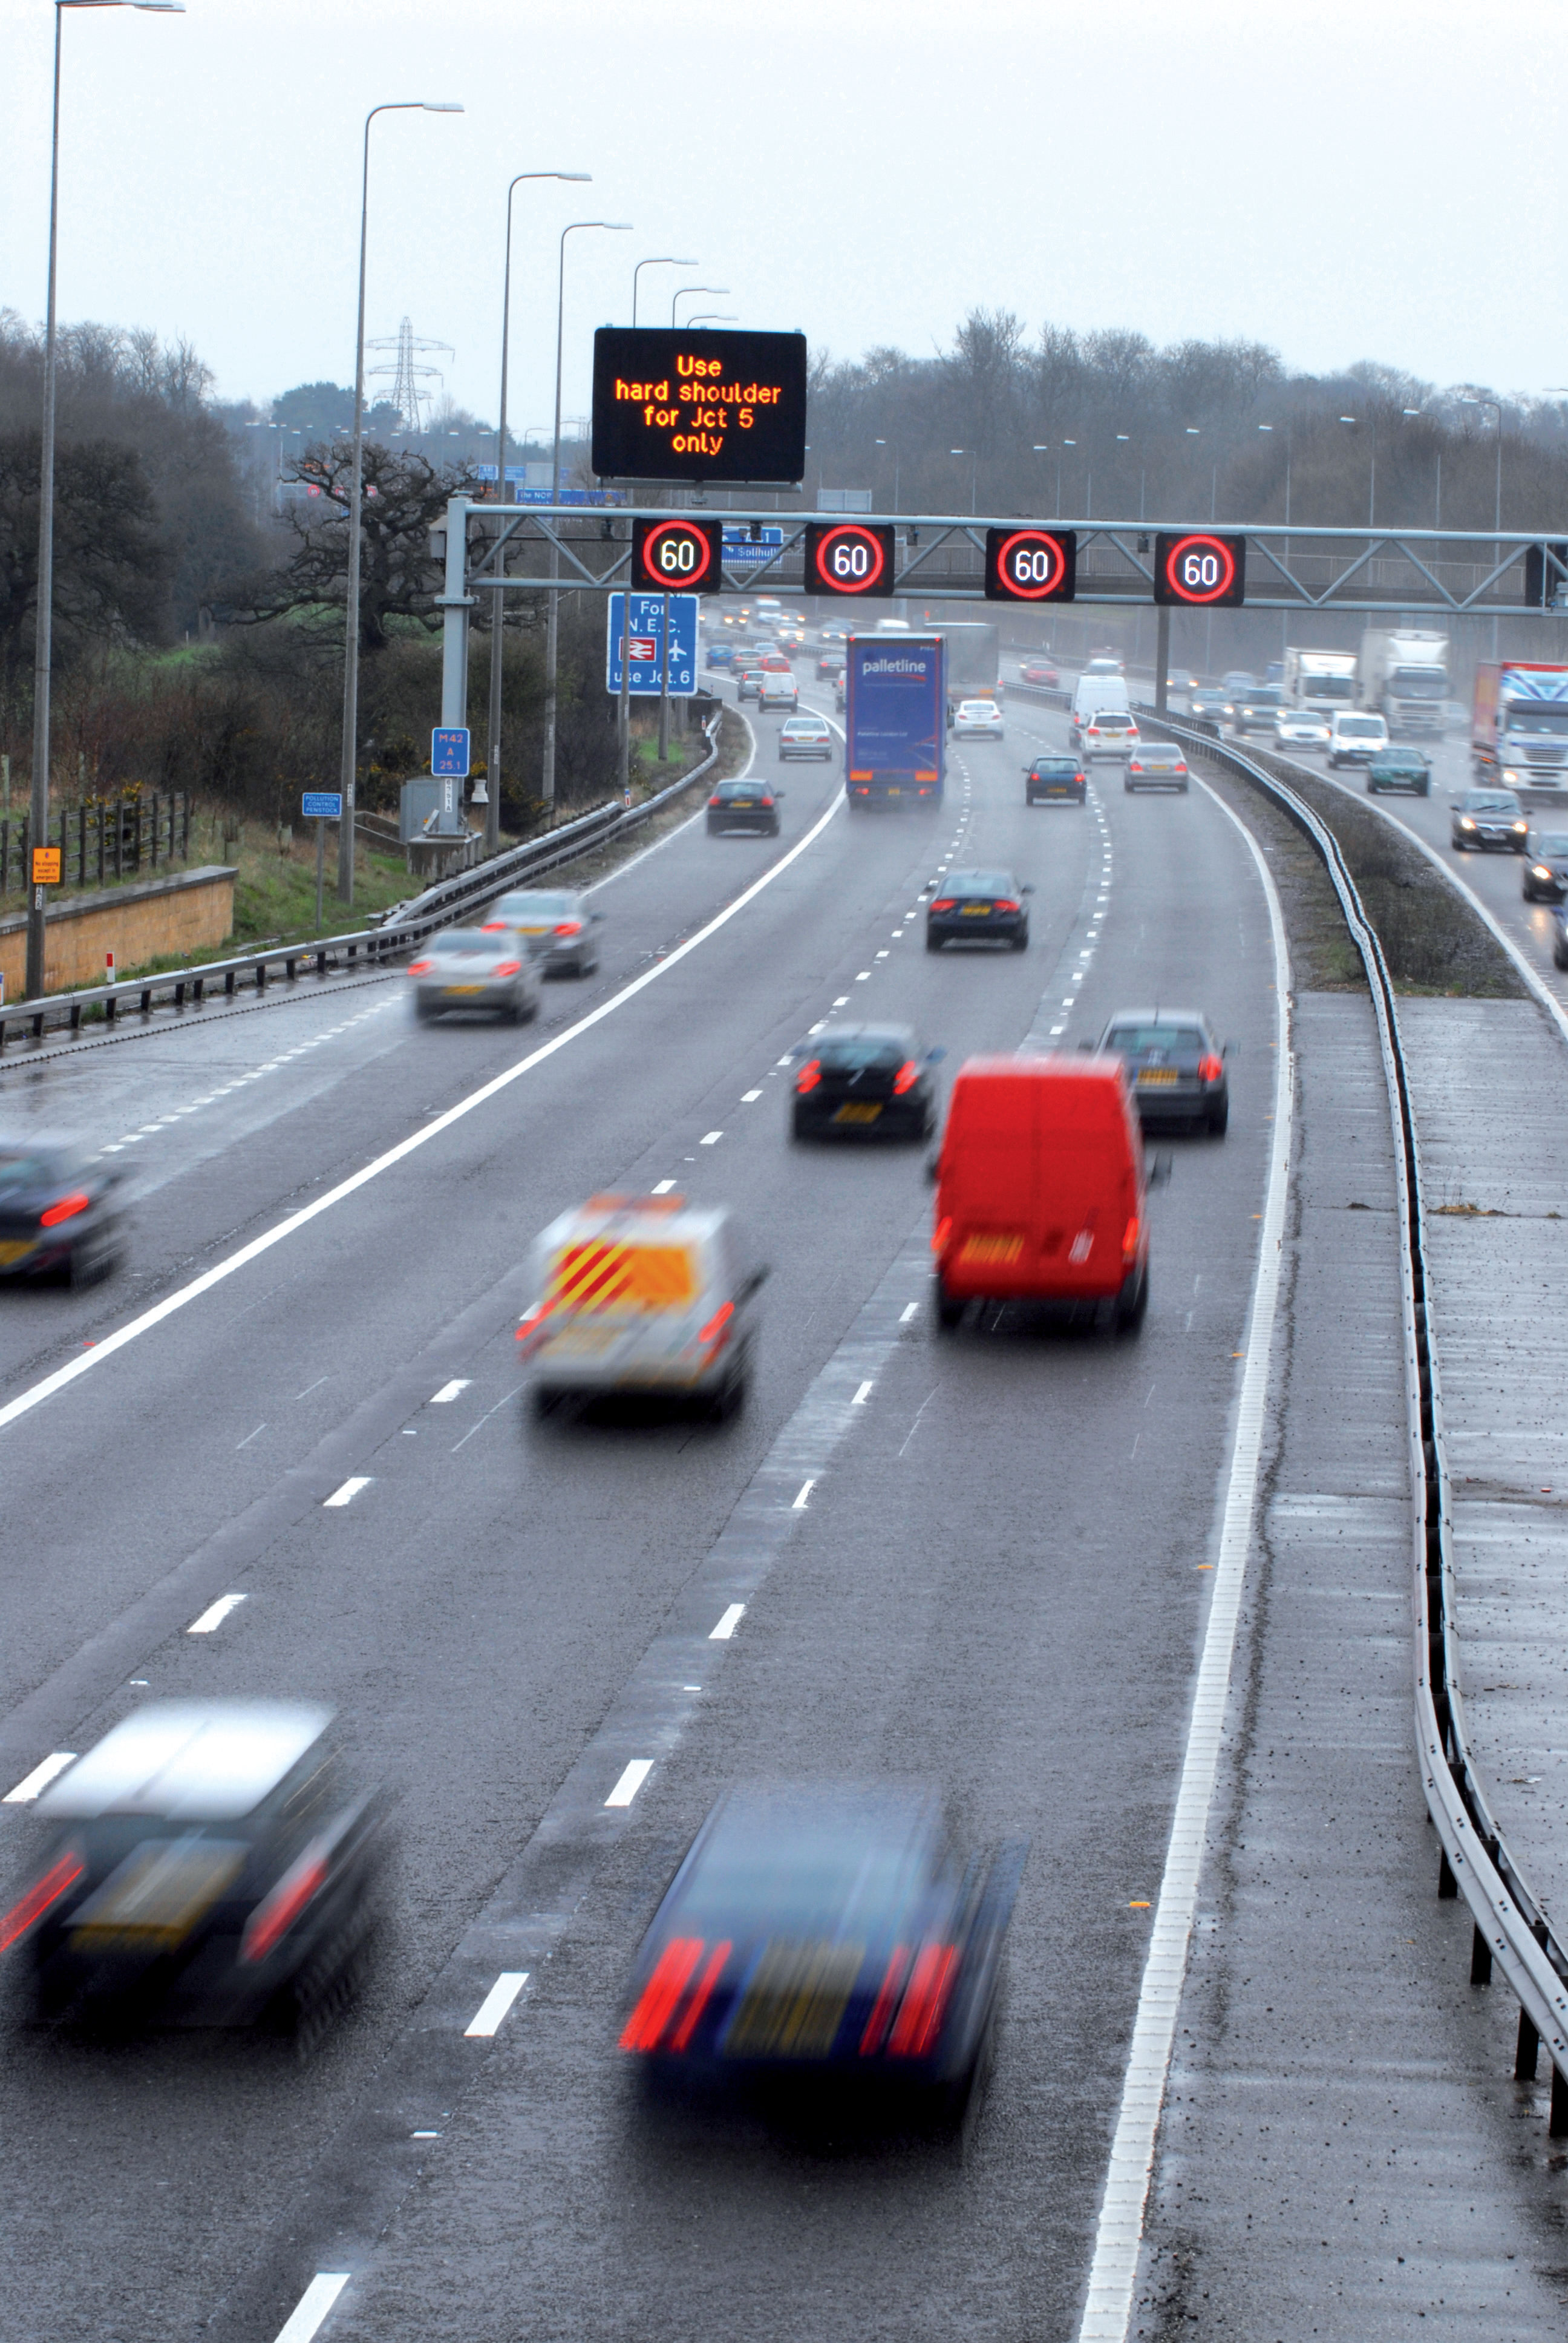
1346,179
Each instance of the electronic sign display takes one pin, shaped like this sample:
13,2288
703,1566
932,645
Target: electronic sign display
1198,569
677,556
1030,564
849,556
702,405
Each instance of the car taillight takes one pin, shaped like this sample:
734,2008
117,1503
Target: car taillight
1130,1240
281,1906
925,2001
420,967
810,1075
944,903
1210,1069
714,1331
765,799
674,1969
62,1874
508,968
568,927
941,1232
1005,903
908,1075
1133,766
65,1209
1180,768
716,799
887,2001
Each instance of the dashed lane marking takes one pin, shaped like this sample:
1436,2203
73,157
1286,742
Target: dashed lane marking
215,1615
487,2018
33,1784
449,1391
727,1624
349,1490
631,1781
303,2321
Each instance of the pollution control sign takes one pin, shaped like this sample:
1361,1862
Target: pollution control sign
698,406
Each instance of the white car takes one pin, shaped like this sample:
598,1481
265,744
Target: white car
1300,728
1109,733
806,736
776,691
978,719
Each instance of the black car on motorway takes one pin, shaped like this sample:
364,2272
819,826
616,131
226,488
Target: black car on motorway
1055,780
1486,818
1215,706
61,1213
1255,708
977,906
209,1862
1175,1065
1400,768
863,1079
744,805
1545,876
828,1937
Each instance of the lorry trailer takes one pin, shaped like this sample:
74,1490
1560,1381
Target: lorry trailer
1323,681
1402,673
896,721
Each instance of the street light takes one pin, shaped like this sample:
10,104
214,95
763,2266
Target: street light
974,474
685,289
883,443
356,497
1372,477
1497,494
487,795
714,317
38,807
661,260
552,628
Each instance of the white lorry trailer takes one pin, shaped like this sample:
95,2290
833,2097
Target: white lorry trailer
1402,673
1322,680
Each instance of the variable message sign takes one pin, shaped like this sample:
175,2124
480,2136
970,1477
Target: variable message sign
698,406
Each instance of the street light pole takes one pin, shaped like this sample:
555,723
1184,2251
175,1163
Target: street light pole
1497,497
882,443
350,761
974,474
43,622
685,289
553,599
492,783
659,260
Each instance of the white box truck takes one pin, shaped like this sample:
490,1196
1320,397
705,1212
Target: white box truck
1323,681
1403,674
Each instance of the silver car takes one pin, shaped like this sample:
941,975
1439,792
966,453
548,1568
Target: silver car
475,968
555,924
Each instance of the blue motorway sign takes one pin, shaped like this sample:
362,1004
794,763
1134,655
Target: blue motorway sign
647,644
322,805
740,546
449,753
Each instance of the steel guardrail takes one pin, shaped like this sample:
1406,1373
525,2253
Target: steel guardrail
405,925
1510,1927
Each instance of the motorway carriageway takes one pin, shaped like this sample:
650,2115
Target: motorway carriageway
987,1563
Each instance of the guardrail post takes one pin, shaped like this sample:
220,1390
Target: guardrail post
1480,1958
1529,2049
1447,1884
1558,2124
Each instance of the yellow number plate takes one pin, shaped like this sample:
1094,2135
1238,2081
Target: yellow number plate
15,1249
1157,1074
795,2002
856,1113
977,910
452,989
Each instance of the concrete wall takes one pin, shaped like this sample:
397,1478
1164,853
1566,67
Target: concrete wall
150,919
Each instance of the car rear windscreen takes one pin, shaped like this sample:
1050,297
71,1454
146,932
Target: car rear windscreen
536,907
1175,1040
884,1051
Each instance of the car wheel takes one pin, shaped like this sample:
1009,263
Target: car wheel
92,1259
425,1011
1131,1307
1560,955
1127,785
948,1310
737,1390
1020,942
1528,891
1219,1120
1183,791
933,943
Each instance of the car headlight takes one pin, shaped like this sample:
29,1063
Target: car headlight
1519,828
1466,822
1509,776
1539,870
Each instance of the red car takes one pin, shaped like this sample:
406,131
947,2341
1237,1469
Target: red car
1040,671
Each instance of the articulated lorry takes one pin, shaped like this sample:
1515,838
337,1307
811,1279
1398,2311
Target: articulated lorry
1325,681
1519,726
1403,674
896,721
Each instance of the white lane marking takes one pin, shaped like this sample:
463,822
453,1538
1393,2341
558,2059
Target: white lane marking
424,2135
842,1001
630,1782
727,1624
750,1098
85,1360
784,1062
305,2320
1119,2235
907,1313
863,976
711,1138
349,1491
882,955
310,1387
662,1187
501,1404
488,2017
449,1391
32,1785
862,1395
249,1437
215,1615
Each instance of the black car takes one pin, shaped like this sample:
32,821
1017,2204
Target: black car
1486,818
1400,768
830,664
60,1212
1254,710
208,1862
1055,780
1210,703
983,907
1546,866
827,1936
1175,1065
861,1079
745,804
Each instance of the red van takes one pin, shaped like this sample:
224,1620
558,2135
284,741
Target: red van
1041,1190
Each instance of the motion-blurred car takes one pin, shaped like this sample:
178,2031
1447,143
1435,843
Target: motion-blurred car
750,805
863,1078
1300,728
830,664
806,736
209,1862
1175,1065
1397,767
60,1211
557,925
775,660
1212,704
1157,765
777,691
1109,733
979,720
720,655
1055,780
829,1935
1487,818
475,968
643,1295
834,633
1238,679
1255,709
977,906
751,684
1546,866
1042,673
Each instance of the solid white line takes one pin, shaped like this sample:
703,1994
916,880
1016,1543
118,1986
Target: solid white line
488,2017
85,1360
861,1396
630,1782
349,1491
727,1624
1114,2269
800,1505
38,1779
449,1391
215,1615
305,2320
